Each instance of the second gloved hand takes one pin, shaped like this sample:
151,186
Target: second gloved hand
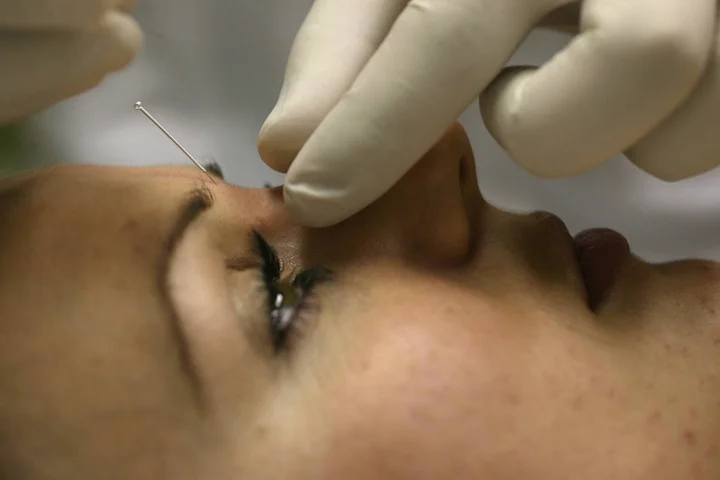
51,50
371,85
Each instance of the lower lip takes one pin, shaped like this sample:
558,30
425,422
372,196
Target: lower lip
601,253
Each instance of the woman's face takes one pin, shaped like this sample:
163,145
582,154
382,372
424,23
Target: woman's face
139,337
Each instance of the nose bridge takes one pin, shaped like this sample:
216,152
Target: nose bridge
424,217
439,170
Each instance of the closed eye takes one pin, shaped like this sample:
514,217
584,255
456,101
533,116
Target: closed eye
287,301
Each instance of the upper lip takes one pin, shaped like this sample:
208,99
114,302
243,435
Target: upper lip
595,281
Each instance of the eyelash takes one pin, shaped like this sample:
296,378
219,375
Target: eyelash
284,319
215,169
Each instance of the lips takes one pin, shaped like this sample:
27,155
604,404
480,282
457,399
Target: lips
601,254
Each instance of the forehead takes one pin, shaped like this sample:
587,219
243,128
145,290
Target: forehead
66,186
66,227
56,202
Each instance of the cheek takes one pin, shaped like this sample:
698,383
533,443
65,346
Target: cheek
425,403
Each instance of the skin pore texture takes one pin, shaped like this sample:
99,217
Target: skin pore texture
454,340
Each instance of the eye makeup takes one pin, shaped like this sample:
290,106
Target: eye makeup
288,301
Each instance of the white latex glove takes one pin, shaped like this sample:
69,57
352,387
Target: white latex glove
371,85
519,109
53,49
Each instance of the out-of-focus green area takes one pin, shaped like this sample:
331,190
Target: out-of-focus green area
16,147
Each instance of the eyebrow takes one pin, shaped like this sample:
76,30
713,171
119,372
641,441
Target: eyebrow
199,200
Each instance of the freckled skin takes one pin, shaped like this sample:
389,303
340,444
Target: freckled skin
456,341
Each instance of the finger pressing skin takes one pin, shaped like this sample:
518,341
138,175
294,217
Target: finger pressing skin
44,68
435,59
631,66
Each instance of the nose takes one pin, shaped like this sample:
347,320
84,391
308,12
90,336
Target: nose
427,217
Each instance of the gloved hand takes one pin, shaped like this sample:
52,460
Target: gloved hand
371,85
51,50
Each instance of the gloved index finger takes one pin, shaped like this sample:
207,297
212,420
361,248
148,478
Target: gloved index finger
437,57
333,44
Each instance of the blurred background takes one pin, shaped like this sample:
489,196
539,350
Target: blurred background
211,71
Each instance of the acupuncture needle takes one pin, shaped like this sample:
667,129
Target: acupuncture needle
139,106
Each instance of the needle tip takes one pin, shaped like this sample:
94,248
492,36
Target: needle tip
138,105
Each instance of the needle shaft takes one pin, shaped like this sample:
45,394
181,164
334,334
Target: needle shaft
139,106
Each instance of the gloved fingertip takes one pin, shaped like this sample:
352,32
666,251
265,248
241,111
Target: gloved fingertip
274,149
309,208
513,119
127,39
286,130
